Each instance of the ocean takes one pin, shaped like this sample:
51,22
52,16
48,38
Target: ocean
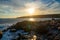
5,23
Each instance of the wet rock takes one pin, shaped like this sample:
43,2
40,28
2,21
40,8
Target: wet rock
1,34
4,30
13,30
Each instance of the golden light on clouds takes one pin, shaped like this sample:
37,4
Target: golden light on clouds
18,8
34,9
31,8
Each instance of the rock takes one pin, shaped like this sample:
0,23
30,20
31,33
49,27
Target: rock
13,30
1,34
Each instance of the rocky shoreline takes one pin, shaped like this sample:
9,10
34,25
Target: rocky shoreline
43,30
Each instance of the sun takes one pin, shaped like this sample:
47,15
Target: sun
31,11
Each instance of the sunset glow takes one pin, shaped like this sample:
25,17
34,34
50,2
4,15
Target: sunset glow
31,11
19,8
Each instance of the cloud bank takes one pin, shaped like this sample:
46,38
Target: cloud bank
16,8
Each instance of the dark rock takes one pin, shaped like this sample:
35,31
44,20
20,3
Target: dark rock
1,34
13,30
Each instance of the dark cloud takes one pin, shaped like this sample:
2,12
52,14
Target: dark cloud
5,0
46,1
15,3
58,1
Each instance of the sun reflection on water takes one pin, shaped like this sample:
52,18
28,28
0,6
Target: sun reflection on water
31,19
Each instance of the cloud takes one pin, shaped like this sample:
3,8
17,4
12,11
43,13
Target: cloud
15,3
17,7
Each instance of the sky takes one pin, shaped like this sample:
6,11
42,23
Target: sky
18,8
